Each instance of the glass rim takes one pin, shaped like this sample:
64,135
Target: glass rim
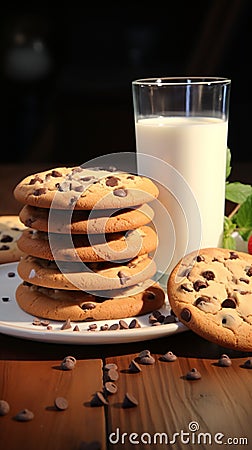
180,81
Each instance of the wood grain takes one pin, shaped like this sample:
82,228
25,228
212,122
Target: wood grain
220,402
35,385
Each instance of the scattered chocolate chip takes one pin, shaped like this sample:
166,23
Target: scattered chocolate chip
193,374
39,192
110,387
5,299
134,367
49,327
114,327
123,325
24,416
6,238
92,327
11,274
104,327
168,357
208,275
68,363
147,360
36,321
134,323
186,287
66,325
98,400
112,181
199,285
45,323
152,319
229,303
76,328
4,407
129,401
186,315
144,353
224,361
161,318
61,403
111,375
109,366
248,364
120,192
169,319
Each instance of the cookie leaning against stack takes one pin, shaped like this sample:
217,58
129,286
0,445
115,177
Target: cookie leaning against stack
10,230
88,245
211,292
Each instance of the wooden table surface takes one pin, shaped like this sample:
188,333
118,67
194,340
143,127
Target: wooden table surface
171,411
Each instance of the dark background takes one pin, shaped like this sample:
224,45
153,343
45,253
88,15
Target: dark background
66,71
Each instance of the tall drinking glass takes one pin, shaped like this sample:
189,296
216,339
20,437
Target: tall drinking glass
181,127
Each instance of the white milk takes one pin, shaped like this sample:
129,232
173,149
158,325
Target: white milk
196,147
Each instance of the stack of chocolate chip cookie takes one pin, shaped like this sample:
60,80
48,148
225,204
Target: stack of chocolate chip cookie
88,245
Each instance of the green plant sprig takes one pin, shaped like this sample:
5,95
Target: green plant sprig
240,219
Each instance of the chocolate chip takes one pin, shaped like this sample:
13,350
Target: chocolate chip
169,319
208,275
224,361
110,387
120,192
201,299
134,324
144,353
123,324
92,327
186,287
66,325
87,305
86,179
61,403
98,400
5,299
65,186
111,375
36,321
186,315
68,363
129,401
79,188
244,280
161,318
114,327
200,258
24,416
130,177
56,173
104,327
249,271
149,295
4,247
39,192
152,319
233,255
168,357
193,374
76,328
229,303
112,181
199,285
4,407
147,360
248,364
35,179
6,238
134,367
109,366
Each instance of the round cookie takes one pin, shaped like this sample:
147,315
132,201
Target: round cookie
79,188
80,306
10,230
83,222
90,277
89,248
210,291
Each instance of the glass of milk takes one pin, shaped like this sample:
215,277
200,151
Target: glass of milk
181,128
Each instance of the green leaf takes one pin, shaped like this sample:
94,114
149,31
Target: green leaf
229,242
237,192
243,218
228,163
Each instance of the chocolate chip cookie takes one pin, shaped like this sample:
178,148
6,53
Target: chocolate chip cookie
10,230
81,188
80,306
85,222
211,292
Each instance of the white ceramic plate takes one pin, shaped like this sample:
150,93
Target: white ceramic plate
15,322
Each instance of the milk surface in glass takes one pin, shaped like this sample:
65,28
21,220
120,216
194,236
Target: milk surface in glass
196,147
